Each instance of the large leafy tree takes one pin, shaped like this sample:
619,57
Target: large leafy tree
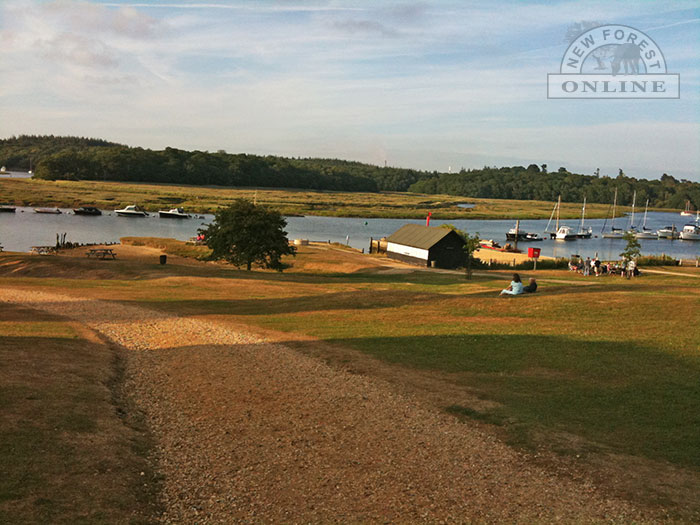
245,234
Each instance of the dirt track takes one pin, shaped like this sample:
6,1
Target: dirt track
255,432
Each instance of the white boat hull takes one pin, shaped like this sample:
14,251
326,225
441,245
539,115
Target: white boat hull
690,236
646,235
130,213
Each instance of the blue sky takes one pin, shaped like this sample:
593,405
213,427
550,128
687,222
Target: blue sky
429,85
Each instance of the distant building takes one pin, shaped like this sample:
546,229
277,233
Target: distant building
426,246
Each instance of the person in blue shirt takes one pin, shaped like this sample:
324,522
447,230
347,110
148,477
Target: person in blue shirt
515,288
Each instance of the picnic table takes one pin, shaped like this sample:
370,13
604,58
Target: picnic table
101,253
43,250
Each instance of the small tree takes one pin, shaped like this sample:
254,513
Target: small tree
245,233
633,248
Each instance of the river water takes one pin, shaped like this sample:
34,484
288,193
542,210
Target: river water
21,230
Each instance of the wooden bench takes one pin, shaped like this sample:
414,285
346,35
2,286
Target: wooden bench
43,250
101,253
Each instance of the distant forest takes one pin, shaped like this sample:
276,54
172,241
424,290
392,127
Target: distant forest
76,158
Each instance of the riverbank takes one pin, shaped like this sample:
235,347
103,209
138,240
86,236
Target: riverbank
206,199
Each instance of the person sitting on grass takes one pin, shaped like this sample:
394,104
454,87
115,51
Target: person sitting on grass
531,287
515,288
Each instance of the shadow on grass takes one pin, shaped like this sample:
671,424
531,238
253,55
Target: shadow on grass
633,399
365,300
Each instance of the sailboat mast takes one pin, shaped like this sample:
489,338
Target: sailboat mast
558,207
583,214
646,208
634,201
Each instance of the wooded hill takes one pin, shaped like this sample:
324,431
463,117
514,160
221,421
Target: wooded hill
74,158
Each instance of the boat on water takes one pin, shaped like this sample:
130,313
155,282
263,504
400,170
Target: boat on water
687,212
614,233
54,211
7,209
514,235
87,210
131,211
518,235
3,170
691,232
565,233
175,213
646,233
668,232
582,232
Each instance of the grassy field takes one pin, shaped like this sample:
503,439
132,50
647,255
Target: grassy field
73,450
112,195
600,372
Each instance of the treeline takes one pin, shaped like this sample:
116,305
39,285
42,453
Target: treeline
535,183
75,158
25,152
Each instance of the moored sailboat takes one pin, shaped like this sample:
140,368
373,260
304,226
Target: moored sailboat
646,233
614,233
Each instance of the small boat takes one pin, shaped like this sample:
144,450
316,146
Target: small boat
55,211
7,209
668,232
521,236
565,233
687,212
175,213
131,211
493,245
3,170
87,210
516,234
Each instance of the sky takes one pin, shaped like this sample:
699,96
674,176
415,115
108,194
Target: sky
439,85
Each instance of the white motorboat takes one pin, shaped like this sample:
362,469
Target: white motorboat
175,213
690,232
55,211
565,233
131,211
667,232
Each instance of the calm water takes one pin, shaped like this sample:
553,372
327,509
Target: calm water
21,230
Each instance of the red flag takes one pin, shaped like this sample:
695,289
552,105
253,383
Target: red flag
427,219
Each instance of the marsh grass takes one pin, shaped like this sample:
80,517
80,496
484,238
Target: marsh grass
207,199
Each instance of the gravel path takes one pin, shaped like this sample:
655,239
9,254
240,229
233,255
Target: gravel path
252,432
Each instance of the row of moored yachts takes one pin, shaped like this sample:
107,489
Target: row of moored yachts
690,232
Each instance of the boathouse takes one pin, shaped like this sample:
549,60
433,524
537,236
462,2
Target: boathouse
426,246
